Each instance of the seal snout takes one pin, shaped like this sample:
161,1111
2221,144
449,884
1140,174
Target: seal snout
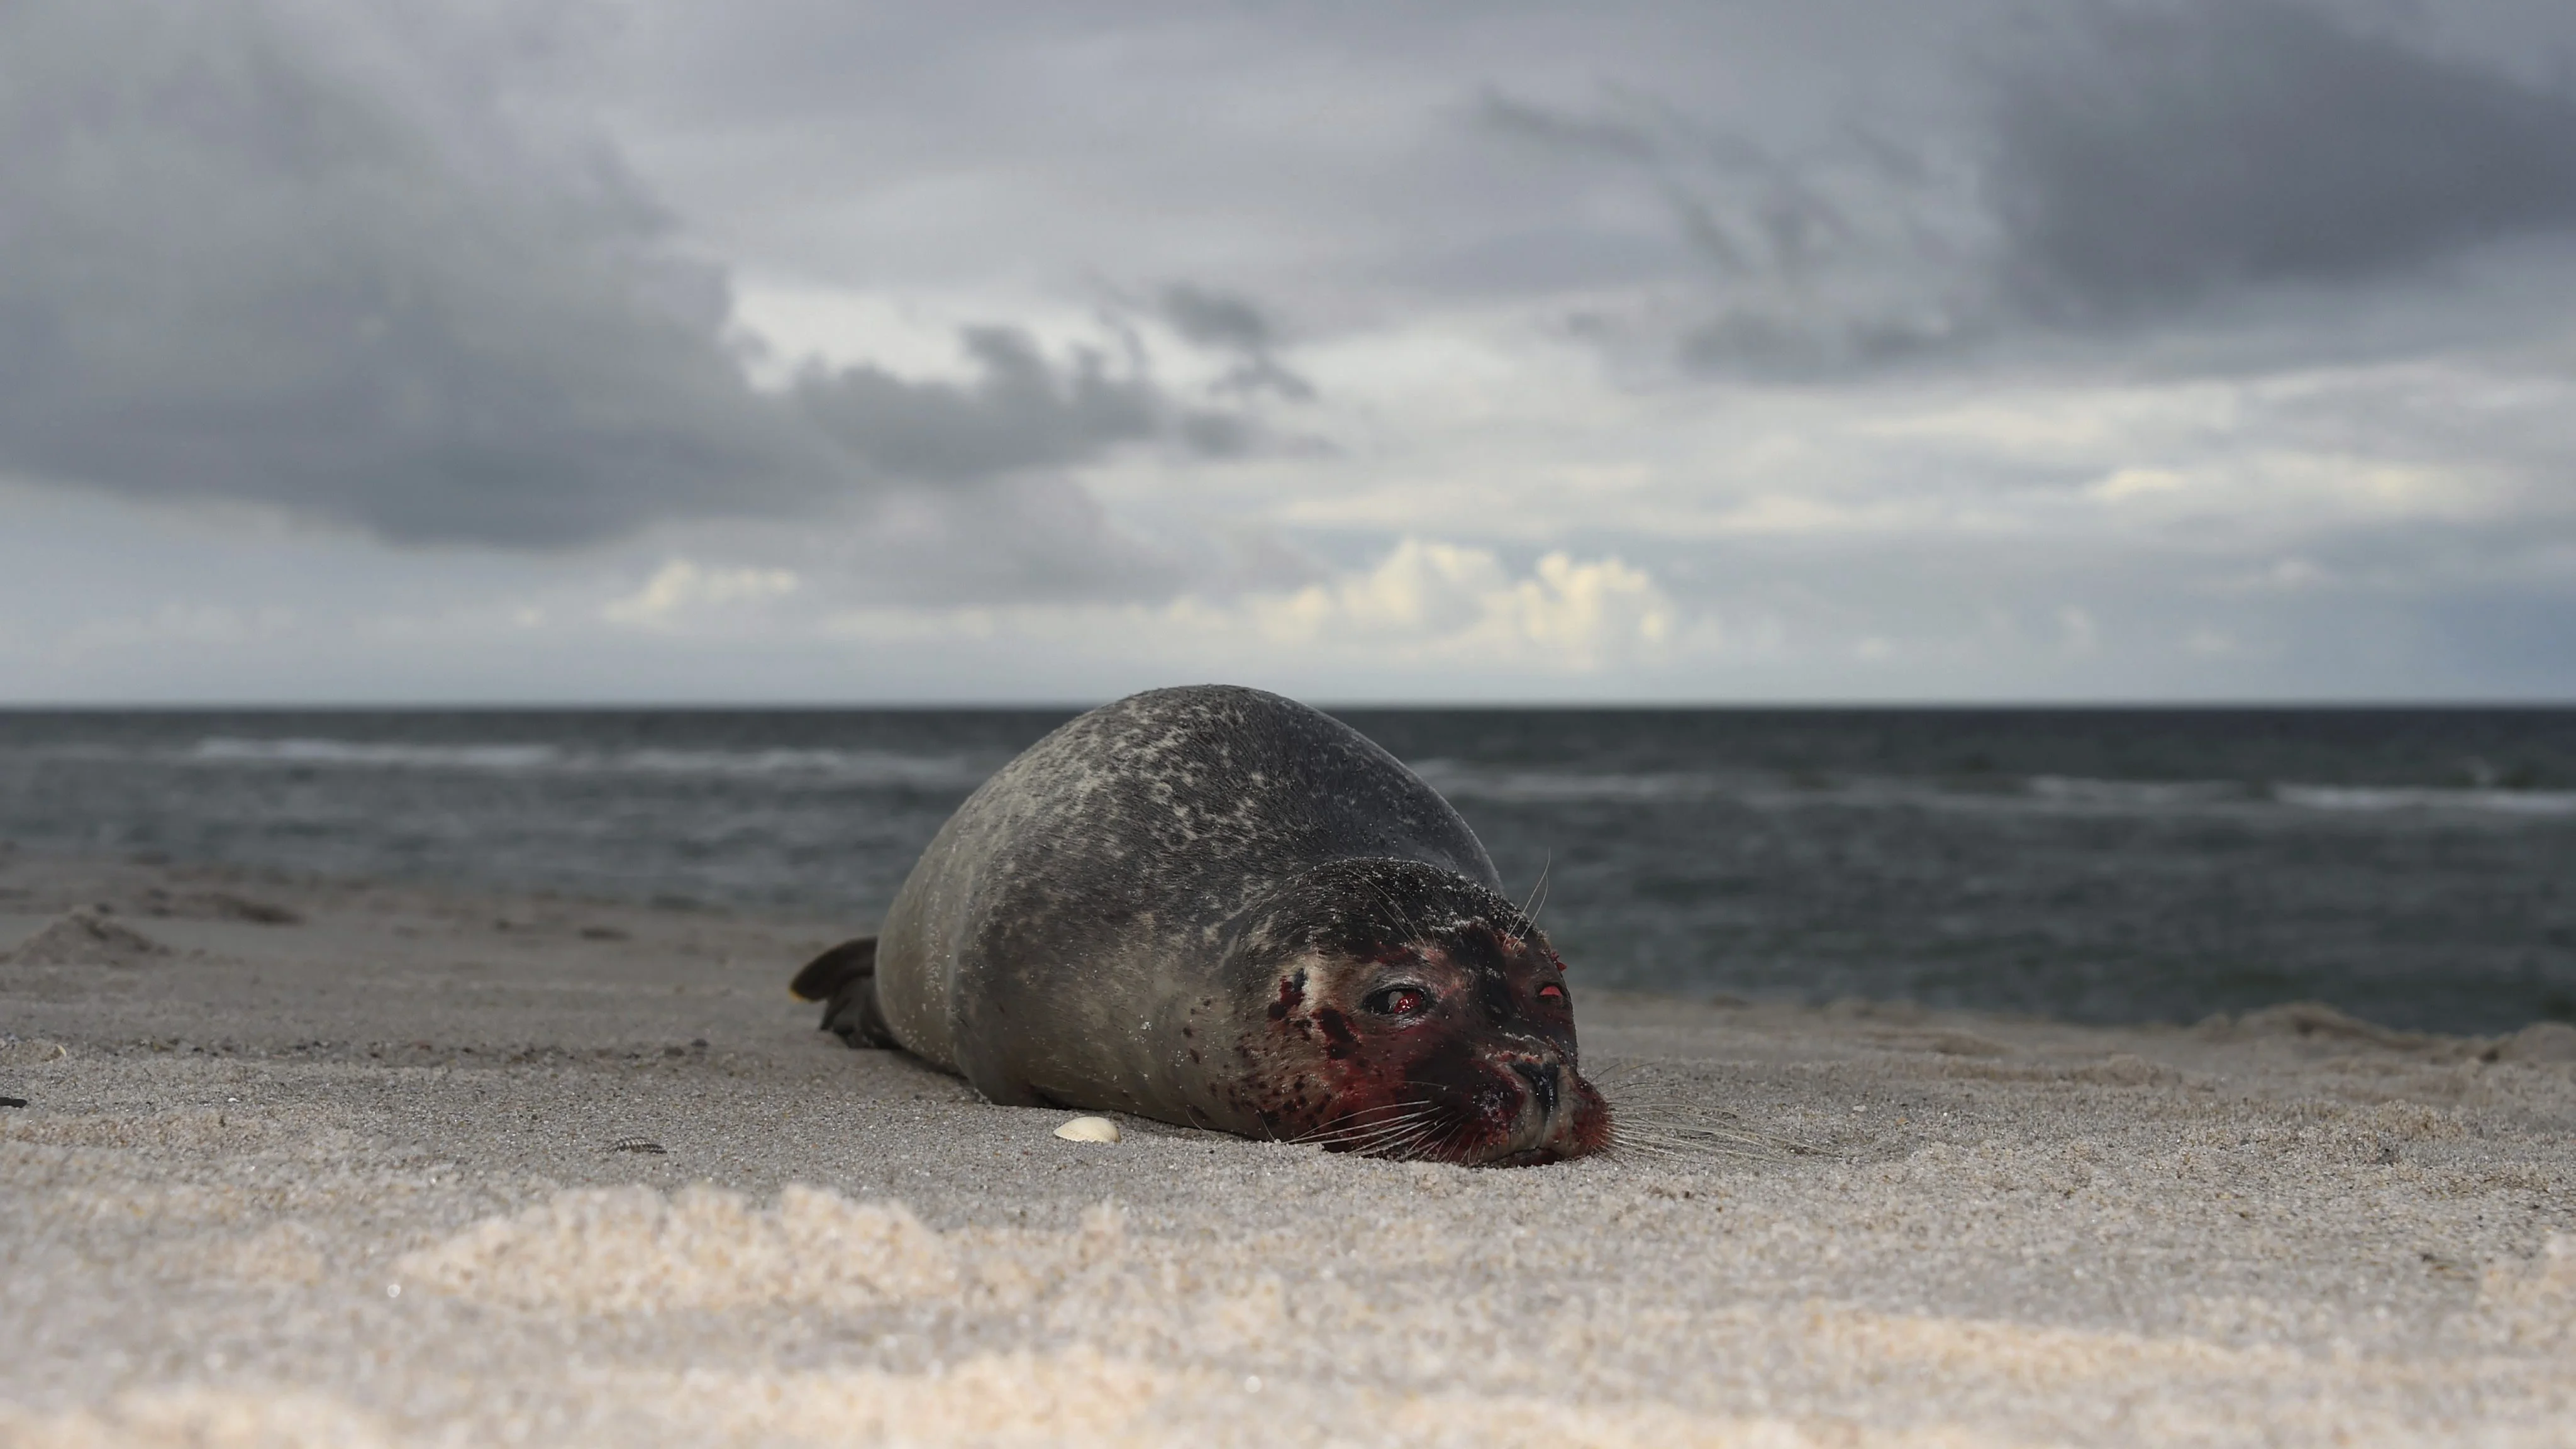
1558,1115
1543,1079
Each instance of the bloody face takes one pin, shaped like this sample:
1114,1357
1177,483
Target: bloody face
1437,1025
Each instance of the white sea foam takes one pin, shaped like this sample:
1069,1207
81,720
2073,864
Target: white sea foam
2374,798
859,766
1471,782
2053,793
2137,794
224,749
864,767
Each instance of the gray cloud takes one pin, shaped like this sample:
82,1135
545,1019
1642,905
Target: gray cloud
369,262
2121,165
1222,321
2158,155
226,273
238,264
1003,539
1743,211
1855,254
1021,413
1527,120
1217,319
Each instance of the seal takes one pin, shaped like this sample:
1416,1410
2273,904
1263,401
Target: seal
1220,908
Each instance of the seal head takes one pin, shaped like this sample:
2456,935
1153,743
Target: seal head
1409,1013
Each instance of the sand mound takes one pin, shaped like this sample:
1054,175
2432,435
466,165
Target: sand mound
2309,1021
1080,1397
195,1418
85,936
605,1250
19,1051
1071,1399
2532,1304
225,906
2542,1041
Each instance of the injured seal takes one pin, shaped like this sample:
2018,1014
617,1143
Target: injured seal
1216,907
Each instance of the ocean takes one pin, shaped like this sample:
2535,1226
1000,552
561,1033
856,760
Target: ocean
2415,867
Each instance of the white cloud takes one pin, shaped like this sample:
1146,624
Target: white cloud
684,587
2130,483
1422,590
1425,603
1431,598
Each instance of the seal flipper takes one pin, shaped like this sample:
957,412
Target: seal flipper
845,980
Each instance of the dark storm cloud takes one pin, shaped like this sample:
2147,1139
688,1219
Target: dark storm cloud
2162,154
1020,413
2118,164
226,273
1740,210
232,269
1809,266
1223,322
1216,319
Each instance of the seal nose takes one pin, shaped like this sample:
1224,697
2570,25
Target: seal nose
1541,1077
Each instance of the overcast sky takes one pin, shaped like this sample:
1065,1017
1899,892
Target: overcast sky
803,351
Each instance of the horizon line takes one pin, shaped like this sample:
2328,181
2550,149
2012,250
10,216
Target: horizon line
927,706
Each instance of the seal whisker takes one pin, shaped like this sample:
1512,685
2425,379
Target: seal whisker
1393,1147
1368,1141
1695,1139
1659,1112
1425,1145
1537,898
1667,1148
1405,1145
1356,1138
1425,1117
1449,1147
1697,1125
1381,1109
1397,916
1364,1124
1684,1113
1361,1115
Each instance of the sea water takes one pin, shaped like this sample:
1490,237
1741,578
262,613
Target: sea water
2413,867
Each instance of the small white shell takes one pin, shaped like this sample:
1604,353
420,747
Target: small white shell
1088,1129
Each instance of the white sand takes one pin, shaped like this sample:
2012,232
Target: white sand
2288,1231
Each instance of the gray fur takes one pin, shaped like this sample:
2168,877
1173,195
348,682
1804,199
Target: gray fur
1092,899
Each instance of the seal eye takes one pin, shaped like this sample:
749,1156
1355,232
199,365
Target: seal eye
1398,1000
1551,992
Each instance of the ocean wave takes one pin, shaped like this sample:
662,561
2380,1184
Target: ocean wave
226,750
868,767
2139,794
854,767
1763,789
1460,780
1551,787
2056,794
2379,798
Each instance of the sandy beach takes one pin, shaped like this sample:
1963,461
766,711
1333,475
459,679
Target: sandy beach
314,1163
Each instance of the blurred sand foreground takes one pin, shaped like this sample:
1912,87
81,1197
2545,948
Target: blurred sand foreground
355,1178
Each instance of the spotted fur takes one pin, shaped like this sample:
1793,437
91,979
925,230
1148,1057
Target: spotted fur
1183,906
